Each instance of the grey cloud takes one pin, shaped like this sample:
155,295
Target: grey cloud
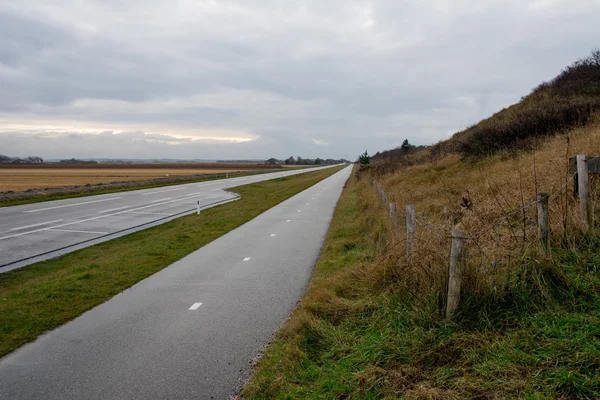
359,74
23,38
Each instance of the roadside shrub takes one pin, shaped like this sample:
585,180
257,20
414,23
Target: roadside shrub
570,100
538,120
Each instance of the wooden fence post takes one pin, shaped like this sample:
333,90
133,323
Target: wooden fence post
411,229
582,184
542,209
455,270
383,197
393,214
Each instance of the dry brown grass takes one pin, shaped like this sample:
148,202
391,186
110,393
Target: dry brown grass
491,200
21,179
364,328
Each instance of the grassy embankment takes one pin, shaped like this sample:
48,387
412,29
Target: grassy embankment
43,296
371,324
360,332
93,191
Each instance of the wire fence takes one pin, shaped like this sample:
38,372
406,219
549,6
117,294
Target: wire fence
487,250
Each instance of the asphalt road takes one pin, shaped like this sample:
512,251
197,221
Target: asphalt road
36,232
192,330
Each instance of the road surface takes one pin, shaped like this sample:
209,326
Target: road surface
192,330
36,232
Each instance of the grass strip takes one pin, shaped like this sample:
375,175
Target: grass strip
358,334
45,295
286,370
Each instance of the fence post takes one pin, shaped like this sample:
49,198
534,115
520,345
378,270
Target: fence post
582,184
393,214
411,229
455,270
542,209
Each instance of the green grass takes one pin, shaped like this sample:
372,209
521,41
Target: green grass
42,296
51,196
357,335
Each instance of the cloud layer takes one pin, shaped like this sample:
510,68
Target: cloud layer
261,78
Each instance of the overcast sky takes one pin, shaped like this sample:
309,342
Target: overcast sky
227,79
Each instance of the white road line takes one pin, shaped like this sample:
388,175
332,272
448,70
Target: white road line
146,212
113,209
92,219
156,201
34,225
289,220
184,198
273,234
162,191
299,210
69,230
195,306
247,259
72,205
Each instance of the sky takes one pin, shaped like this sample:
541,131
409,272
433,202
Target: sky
251,79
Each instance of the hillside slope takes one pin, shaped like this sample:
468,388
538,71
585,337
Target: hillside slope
372,324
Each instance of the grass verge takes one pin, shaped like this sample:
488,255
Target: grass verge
43,296
359,334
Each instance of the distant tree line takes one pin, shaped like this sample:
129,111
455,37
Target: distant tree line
17,160
76,161
306,161
405,149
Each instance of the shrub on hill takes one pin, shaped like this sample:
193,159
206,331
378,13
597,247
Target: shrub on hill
569,100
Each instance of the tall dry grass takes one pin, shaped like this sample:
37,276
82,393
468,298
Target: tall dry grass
494,201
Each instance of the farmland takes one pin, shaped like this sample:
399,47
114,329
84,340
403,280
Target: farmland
19,178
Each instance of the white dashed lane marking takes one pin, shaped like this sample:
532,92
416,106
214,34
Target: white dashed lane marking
289,220
73,231
247,259
195,306
112,209
162,191
34,225
147,213
72,205
272,234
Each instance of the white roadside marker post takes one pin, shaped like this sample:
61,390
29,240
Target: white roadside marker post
198,207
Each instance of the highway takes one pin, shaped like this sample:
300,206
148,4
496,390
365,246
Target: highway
191,330
36,232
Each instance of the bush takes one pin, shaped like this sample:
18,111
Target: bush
568,101
538,120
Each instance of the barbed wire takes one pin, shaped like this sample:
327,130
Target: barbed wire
500,221
435,229
563,187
